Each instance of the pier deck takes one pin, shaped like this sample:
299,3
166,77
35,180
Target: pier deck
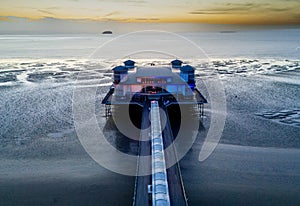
141,196
167,186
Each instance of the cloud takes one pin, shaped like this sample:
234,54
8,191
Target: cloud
116,20
297,17
4,18
137,1
229,8
14,19
279,9
241,5
147,19
45,12
52,8
111,14
207,12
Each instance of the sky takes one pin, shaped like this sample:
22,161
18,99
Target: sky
234,12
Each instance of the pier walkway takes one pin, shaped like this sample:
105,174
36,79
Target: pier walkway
164,186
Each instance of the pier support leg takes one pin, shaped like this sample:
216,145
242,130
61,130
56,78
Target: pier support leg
107,111
200,109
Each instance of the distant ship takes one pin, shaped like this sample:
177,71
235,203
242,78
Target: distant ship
107,32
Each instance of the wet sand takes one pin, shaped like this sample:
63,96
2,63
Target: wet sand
242,175
78,181
257,162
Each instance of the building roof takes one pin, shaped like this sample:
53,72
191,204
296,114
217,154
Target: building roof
129,62
120,68
176,62
187,68
153,71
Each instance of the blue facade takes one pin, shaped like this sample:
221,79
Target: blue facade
187,74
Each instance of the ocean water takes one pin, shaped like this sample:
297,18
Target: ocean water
279,44
256,162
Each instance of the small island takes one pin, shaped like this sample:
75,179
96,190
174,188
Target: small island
227,32
107,32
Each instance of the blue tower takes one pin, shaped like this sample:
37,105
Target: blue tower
120,74
187,74
176,64
129,64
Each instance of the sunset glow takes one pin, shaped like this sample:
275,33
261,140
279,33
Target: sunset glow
215,11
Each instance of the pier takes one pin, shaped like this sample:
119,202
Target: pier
155,89
164,186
